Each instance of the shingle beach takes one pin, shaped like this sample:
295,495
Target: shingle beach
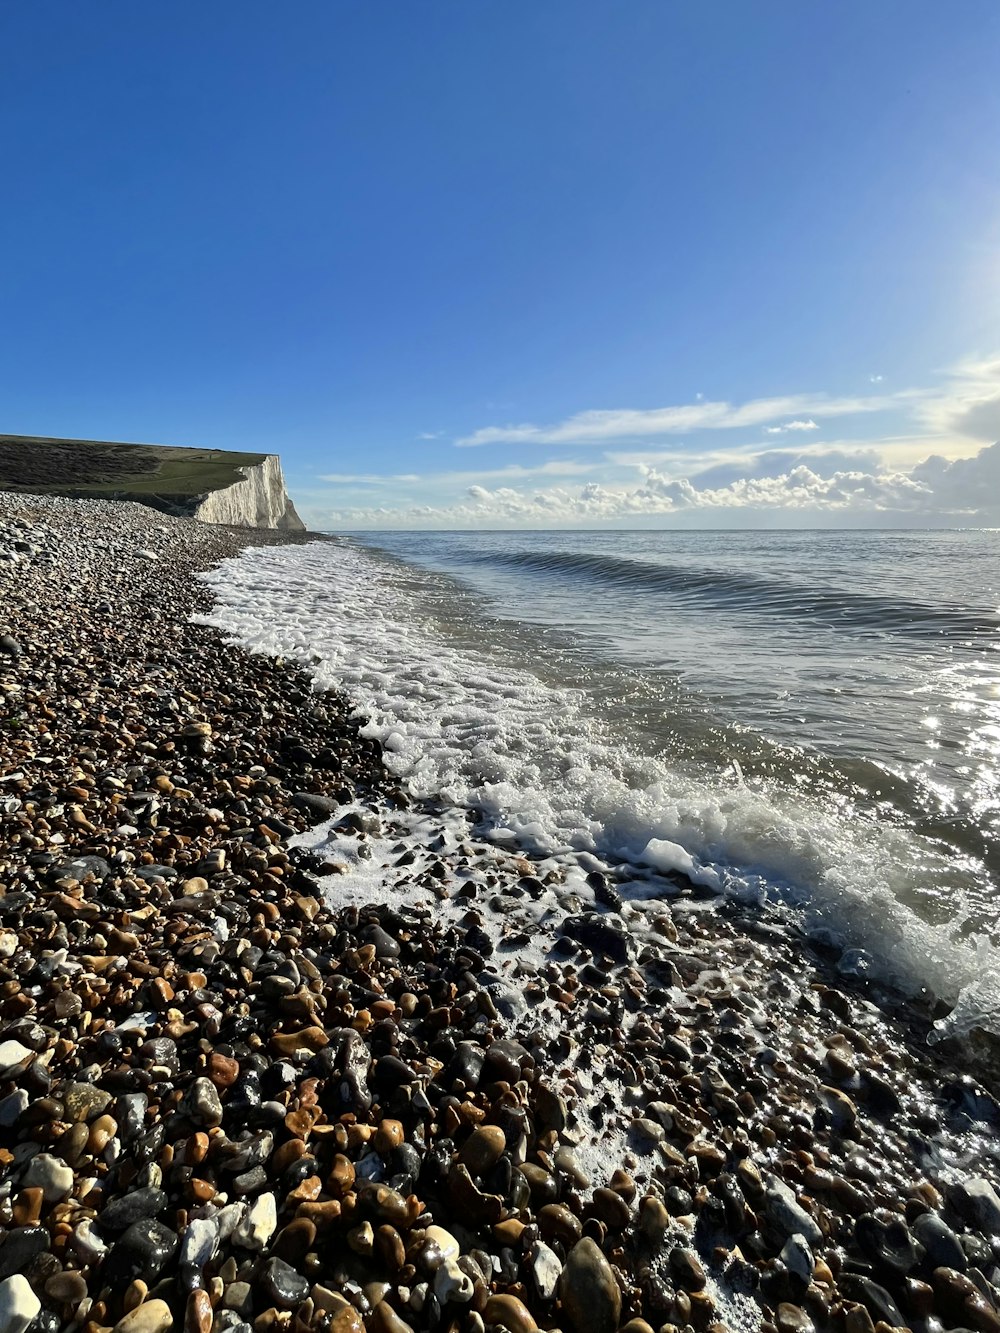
282,1048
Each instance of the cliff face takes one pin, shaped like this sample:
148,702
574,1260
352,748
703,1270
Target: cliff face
258,501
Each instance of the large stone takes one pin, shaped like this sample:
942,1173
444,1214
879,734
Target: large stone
258,1227
590,1296
52,1176
600,935
942,1245
19,1305
200,1241
980,1202
482,1149
149,1317
509,1313
82,1101
545,1269
20,1247
202,1103
142,1252
14,1058
136,1206
788,1214
283,1284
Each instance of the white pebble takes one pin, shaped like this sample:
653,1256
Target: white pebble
53,1177
13,1054
259,1225
451,1284
18,1304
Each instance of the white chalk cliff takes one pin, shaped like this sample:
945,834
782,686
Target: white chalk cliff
258,501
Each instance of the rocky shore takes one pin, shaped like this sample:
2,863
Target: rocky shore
280,1049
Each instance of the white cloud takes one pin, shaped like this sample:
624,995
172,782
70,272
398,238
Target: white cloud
970,484
606,427
779,462
557,467
969,404
808,424
965,403
430,435
924,473
368,478
835,487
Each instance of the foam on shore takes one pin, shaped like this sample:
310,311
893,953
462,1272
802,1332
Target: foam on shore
532,761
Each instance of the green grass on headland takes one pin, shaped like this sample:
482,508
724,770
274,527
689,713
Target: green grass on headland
157,474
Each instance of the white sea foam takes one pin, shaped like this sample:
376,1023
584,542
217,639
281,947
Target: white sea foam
535,763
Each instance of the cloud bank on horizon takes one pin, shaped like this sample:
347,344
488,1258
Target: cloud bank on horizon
936,462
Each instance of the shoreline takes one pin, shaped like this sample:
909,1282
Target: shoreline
326,1080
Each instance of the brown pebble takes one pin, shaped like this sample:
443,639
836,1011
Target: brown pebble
622,1183
28,1206
135,1293
200,1191
391,1207
285,1154
793,1319
301,1121
918,1296
285,1044
508,1232
358,1136
390,1247
510,1313
384,1319
341,1178
858,1320
347,1320
322,1215
686,1268
295,1240
73,1143
161,993
223,1070
149,1317
556,1222
702,1308
610,1208
102,1131
327,1300
388,1137
588,1290
483,1149
306,1191
196,1149
654,1219
198,1314
67,1288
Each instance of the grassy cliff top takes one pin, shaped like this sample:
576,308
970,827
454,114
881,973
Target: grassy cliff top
155,473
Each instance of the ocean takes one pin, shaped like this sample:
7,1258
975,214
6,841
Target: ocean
807,722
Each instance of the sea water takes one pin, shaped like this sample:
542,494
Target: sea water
808,719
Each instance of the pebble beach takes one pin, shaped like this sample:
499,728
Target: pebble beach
283,1048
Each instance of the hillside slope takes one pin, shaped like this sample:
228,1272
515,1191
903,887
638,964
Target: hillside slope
213,485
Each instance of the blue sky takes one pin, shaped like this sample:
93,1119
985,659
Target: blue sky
466,263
